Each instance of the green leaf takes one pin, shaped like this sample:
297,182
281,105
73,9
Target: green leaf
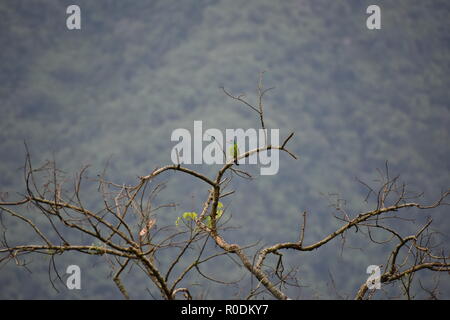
189,215
219,210
208,221
186,216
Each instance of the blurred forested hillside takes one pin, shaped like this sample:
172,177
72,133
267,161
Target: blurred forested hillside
112,93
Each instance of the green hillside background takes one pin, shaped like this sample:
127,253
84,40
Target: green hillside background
114,91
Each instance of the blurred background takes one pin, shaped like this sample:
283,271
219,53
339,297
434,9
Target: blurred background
113,92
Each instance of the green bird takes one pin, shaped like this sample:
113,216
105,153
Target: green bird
234,151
